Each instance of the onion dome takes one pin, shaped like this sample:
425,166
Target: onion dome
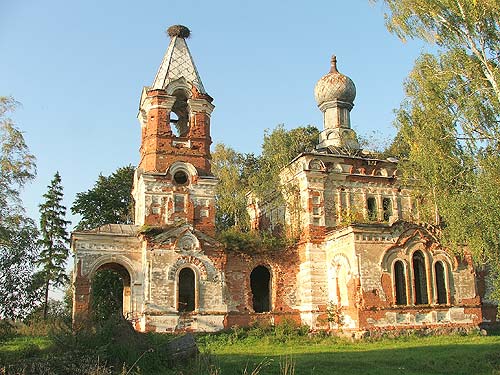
335,87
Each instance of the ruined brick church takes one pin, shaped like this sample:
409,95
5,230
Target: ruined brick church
360,250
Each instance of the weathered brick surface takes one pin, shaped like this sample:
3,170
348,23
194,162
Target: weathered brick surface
352,218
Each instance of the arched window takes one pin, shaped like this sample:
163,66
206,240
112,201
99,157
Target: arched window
400,283
179,116
441,292
371,205
186,290
419,278
260,279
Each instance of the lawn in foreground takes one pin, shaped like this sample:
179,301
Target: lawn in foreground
411,355
233,352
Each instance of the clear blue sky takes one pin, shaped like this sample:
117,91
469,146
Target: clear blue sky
78,68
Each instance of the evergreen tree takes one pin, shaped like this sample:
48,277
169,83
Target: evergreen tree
54,241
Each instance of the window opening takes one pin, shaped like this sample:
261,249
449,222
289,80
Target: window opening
420,278
371,204
387,207
440,283
400,283
260,284
180,177
186,290
179,115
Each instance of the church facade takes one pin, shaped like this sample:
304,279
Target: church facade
361,260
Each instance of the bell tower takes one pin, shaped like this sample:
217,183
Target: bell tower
174,181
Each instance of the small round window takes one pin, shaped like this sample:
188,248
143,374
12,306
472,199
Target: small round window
180,177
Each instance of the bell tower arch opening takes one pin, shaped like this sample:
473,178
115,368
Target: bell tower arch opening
110,291
179,115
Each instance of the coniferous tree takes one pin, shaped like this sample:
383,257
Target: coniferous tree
54,241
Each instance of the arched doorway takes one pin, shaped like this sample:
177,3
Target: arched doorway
260,283
186,290
110,291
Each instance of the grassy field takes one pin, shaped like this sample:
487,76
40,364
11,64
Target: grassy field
243,351
412,355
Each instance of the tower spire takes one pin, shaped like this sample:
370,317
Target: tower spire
178,62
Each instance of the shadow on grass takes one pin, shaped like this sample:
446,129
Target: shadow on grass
443,359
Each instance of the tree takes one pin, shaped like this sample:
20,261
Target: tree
280,147
233,170
54,240
18,233
468,35
109,201
449,121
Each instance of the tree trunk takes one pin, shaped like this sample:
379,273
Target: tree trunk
46,300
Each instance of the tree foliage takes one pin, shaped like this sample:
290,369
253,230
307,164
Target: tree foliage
239,173
109,201
18,233
279,148
472,25
233,170
54,240
107,295
449,122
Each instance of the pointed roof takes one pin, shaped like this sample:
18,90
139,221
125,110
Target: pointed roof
178,63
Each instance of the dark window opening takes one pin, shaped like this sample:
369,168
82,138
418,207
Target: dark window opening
440,284
420,278
371,204
179,116
400,283
260,283
186,290
180,177
387,207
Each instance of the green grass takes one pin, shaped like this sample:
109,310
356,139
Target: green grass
23,346
233,352
409,355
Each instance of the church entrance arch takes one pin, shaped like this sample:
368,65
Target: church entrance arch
187,290
260,283
110,291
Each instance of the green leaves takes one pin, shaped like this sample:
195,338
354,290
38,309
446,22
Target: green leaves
233,170
450,120
239,173
108,202
18,234
280,147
